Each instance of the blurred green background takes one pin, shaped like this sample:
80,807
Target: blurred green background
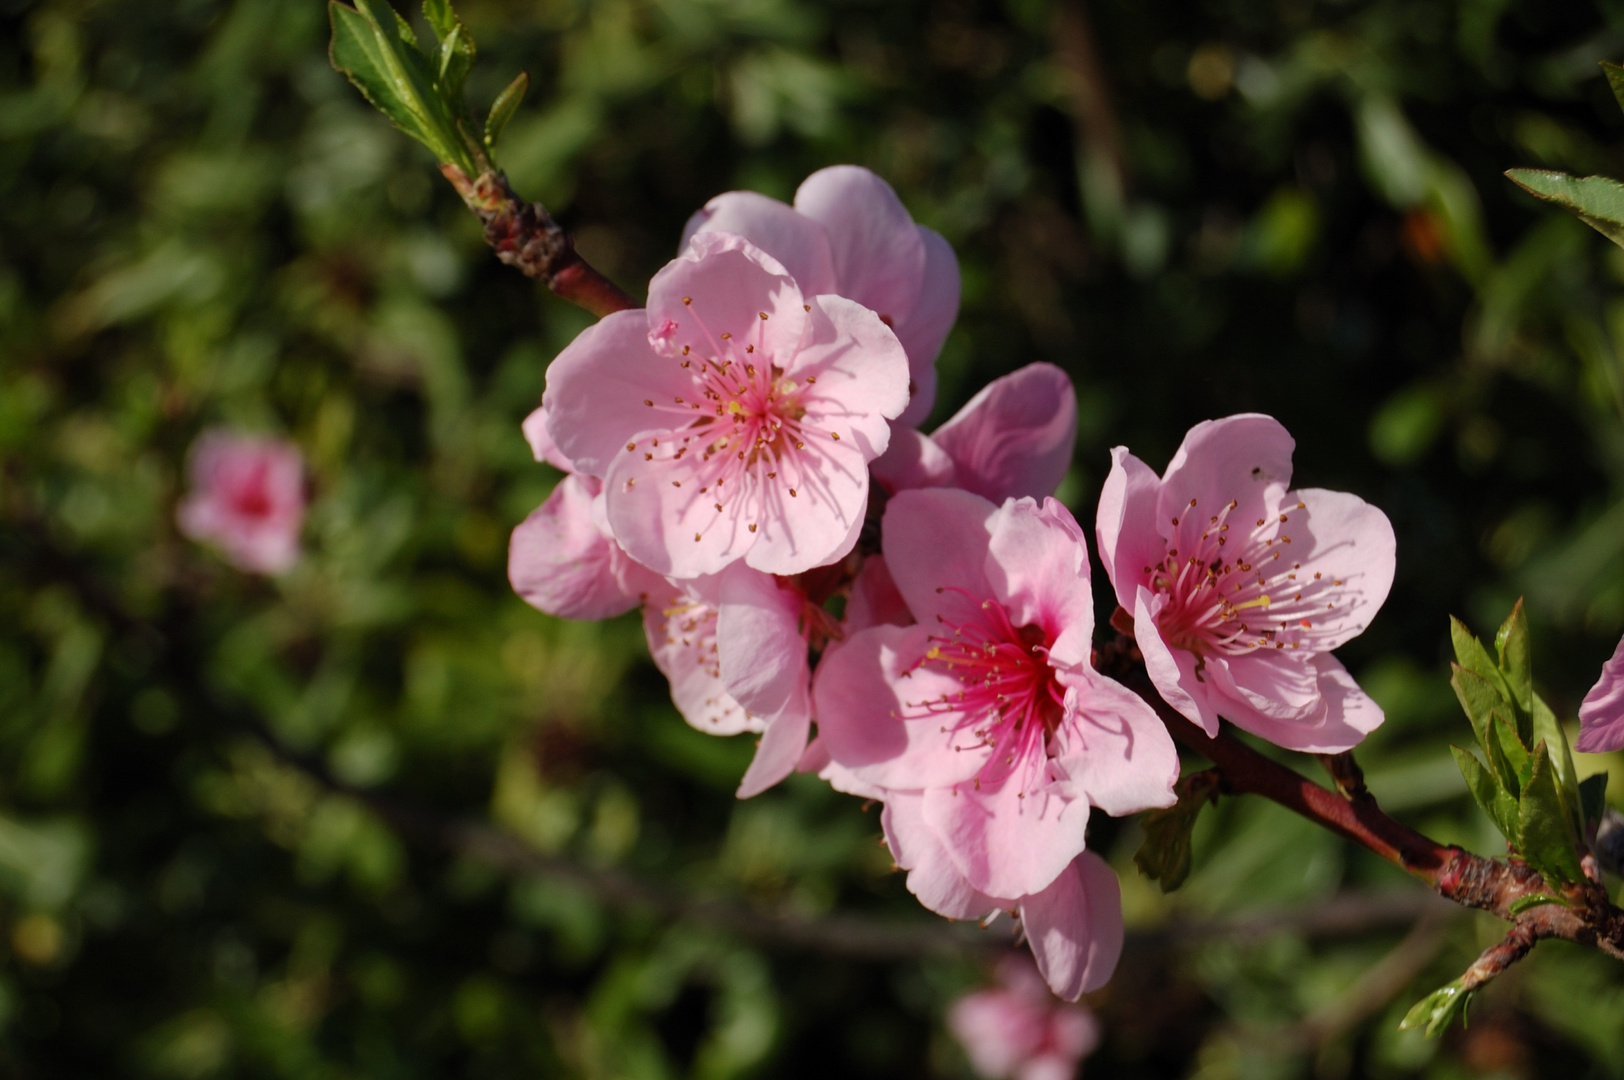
1293,206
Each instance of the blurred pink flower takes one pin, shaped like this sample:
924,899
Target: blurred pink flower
1018,1032
985,728
1601,714
1239,589
247,498
1012,440
850,235
733,419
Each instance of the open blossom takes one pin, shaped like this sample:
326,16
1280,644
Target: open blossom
986,730
1601,714
562,558
850,235
734,648
247,498
732,420
1016,1031
1239,588
1012,440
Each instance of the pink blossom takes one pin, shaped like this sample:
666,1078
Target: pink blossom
734,647
1239,589
734,419
1018,1032
247,498
1012,440
1601,714
850,235
984,726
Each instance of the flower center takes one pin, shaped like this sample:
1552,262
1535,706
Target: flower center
1232,590
1008,701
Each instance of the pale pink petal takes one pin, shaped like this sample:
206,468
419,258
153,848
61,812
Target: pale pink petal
842,780
559,562
913,460
1345,715
1115,748
759,644
1015,437
1243,459
541,442
794,239
1000,1031
1008,841
817,524
1047,1066
681,631
925,328
1278,684
861,699
722,285
874,599
1175,672
781,746
1073,1033
860,371
1125,525
954,527
1343,555
879,255
1601,714
932,876
1037,564
1074,927
607,388
660,515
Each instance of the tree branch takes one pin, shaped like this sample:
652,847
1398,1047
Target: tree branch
527,238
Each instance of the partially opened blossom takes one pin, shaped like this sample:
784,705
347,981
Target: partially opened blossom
849,234
984,726
734,647
732,420
1017,1031
247,498
1240,588
1012,440
1601,714
562,559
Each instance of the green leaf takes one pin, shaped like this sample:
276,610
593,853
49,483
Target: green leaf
1615,80
1496,801
396,80
1164,856
1437,1010
503,108
1503,740
1516,664
1478,697
456,50
441,18
1470,653
1546,729
1593,800
1594,200
1545,838
1523,903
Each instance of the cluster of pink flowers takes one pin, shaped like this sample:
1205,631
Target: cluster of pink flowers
1016,1031
743,462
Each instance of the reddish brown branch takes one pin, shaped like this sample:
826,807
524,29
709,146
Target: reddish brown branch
526,237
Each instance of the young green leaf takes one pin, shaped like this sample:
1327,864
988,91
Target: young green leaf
1516,663
1615,80
1164,856
441,18
1503,739
1496,801
1524,903
1437,1010
1478,697
1546,728
1545,840
503,108
1594,200
1471,655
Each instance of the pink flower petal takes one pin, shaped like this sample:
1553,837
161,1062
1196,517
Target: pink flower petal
925,328
1275,684
862,699
954,527
1115,748
1075,927
1601,714
860,370
681,631
1015,437
913,460
541,442
1346,554
1174,672
1009,841
1038,567
606,388
781,746
1244,459
760,648
1344,716
664,520
247,497
794,239
932,877
1125,525
723,285
880,258
874,599
1000,1031
559,562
